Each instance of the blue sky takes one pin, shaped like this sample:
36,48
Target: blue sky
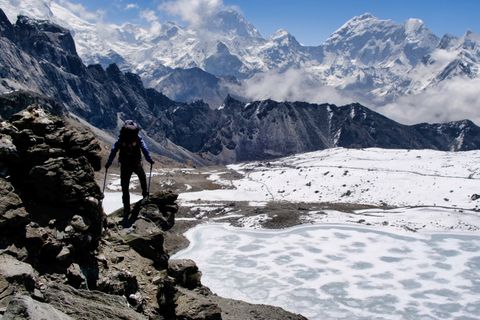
312,21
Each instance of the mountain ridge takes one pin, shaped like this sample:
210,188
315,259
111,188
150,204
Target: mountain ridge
42,57
375,60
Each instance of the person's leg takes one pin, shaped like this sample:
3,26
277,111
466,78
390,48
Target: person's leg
125,175
142,178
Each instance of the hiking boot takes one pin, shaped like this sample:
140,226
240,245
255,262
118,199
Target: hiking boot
125,222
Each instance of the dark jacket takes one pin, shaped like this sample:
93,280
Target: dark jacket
130,152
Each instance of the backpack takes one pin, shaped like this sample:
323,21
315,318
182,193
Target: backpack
129,143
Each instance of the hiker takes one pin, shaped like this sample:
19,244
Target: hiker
131,146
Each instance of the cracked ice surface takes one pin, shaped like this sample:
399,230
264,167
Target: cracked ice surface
341,271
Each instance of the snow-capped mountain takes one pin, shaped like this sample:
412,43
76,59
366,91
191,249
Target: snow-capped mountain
375,60
40,56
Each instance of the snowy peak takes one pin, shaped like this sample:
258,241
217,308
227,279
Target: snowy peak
370,41
230,22
39,9
280,34
283,37
413,26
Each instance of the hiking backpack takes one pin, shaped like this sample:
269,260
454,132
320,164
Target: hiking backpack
130,143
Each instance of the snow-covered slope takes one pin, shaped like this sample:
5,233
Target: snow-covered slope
374,60
359,176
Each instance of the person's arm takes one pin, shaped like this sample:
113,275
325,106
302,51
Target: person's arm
145,151
113,153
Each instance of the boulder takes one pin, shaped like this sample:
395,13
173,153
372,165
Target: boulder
146,238
8,154
39,136
17,272
12,211
24,307
159,208
121,283
89,305
63,181
83,143
185,272
163,198
80,223
42,243
75,277
194,306
36,119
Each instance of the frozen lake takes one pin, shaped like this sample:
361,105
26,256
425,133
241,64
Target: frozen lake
341,271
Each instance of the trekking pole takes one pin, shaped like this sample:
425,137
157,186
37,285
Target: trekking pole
105,180
149,181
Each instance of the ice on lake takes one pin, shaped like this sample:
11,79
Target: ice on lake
342,272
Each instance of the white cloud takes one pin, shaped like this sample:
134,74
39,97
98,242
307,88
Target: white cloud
131,6
291,85
82,12
194,12
452,100
151,17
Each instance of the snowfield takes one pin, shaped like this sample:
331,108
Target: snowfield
342,272
404,266
398,178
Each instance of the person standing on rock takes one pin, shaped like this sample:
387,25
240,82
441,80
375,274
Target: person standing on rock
131,147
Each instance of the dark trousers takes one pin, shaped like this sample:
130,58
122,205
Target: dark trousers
126,171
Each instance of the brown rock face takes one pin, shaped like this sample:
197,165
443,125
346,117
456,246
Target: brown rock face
50,202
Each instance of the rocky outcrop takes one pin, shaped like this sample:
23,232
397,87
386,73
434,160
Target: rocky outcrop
50,202
60,260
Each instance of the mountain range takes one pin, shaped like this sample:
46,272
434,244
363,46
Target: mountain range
39,56
369,59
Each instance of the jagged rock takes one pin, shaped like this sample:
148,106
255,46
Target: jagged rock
75,277
121,283
64,254
163,198
137,301
6,293
35,118
475,197
8,154
166,295
12,211
39,136
89,305
39,153
17,272
83,144
64,181
17,101
193,306
80,223
160,208
185,272
24,307
42,242
147,239
19,253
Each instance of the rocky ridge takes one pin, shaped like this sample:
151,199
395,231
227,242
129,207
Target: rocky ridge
61,258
